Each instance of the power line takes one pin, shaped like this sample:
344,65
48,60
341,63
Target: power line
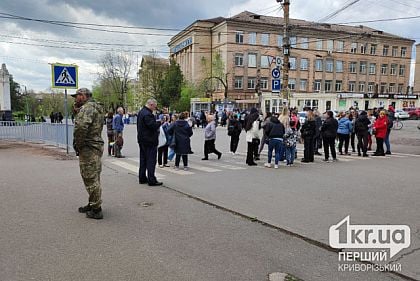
380,20
333,14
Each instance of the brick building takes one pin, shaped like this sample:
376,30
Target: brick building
331,66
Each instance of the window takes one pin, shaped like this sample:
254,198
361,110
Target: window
292,84
292,62
352,67
352,86
362,68
338,85
339,66
328,85
239,59
302,84
304,64
371,86
319,44
383,88
317,85
280,40
252,38
394,51
238,82
393,70
329,66
239,38
318,65
400,88
372,68
252,60
402,70
264,83
264,62
293,41
304,43
330,45
251,82
363,48
373,49
265,39
384,69
392,87
353,48
403,51
362,87
385,50
340,46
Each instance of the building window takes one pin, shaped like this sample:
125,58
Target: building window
252,38
252,60
352,86
392,87
265,39
403,51
239,60
292,62
373,49
385,50
317,85
393,70
292,84
400,88
362,68
328,85
280,40
293,41
304,64
329,65
304,44
330,45
402,70
394,51
352,67
340,46
239,38
362,87
353,48
338,85
264,62
384,69
363,48
318,65
319,44
372,68
302,85
264,83
383,88
371,86
239,82
339,66
251,82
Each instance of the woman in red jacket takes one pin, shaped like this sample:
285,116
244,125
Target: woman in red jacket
380,127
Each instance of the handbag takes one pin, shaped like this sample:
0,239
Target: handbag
162,137
256,141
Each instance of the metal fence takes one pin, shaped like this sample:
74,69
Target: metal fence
53,134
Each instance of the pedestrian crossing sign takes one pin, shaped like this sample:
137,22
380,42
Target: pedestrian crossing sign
64,76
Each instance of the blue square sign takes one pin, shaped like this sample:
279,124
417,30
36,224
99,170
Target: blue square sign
275,85
64,76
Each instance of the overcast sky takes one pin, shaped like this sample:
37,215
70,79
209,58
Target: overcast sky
29,64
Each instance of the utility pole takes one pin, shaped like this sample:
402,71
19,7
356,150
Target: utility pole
286,50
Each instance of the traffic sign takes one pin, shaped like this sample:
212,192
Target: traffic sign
275,85
64,76
275,73
278,61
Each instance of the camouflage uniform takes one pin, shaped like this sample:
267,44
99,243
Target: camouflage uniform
89,144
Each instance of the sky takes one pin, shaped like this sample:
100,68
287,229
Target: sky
28,46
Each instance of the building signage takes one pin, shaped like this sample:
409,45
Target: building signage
349,95
391,96
182,45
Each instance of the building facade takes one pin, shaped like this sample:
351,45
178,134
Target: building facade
331,66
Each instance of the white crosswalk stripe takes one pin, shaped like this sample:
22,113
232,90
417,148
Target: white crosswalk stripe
132,168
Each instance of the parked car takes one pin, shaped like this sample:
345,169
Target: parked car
401,114
414,113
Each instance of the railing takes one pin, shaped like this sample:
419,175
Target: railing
52,134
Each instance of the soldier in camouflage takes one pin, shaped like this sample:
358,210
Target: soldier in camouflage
89,145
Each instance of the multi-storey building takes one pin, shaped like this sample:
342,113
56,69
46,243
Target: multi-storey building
331,66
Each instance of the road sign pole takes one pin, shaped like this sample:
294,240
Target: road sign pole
67,120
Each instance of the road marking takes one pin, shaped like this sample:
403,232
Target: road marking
169,169
225,166
204,169
277,276
132,168
404,154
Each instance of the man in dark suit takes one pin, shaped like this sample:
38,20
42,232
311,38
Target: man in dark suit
147,138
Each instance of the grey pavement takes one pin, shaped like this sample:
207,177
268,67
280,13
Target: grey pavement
43,237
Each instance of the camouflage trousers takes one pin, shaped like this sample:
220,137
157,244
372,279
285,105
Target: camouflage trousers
90,170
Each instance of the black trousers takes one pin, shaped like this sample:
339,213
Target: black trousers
317,143
148,155
352,141
251,150
343,138
380,146
209,147
362,142
234,141
308,149
163,153
329,144
184,160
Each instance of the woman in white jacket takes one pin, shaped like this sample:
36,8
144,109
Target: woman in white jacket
252,136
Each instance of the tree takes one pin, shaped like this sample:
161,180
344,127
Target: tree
151,76
171,85
215,76
188,91
16,95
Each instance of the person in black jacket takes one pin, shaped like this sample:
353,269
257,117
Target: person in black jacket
308,135
274,130
148,139
318,137
361,128
329,133
182,133
234,131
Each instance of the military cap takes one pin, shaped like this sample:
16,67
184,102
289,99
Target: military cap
84,91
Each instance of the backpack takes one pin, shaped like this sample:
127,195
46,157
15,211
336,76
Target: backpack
230,130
